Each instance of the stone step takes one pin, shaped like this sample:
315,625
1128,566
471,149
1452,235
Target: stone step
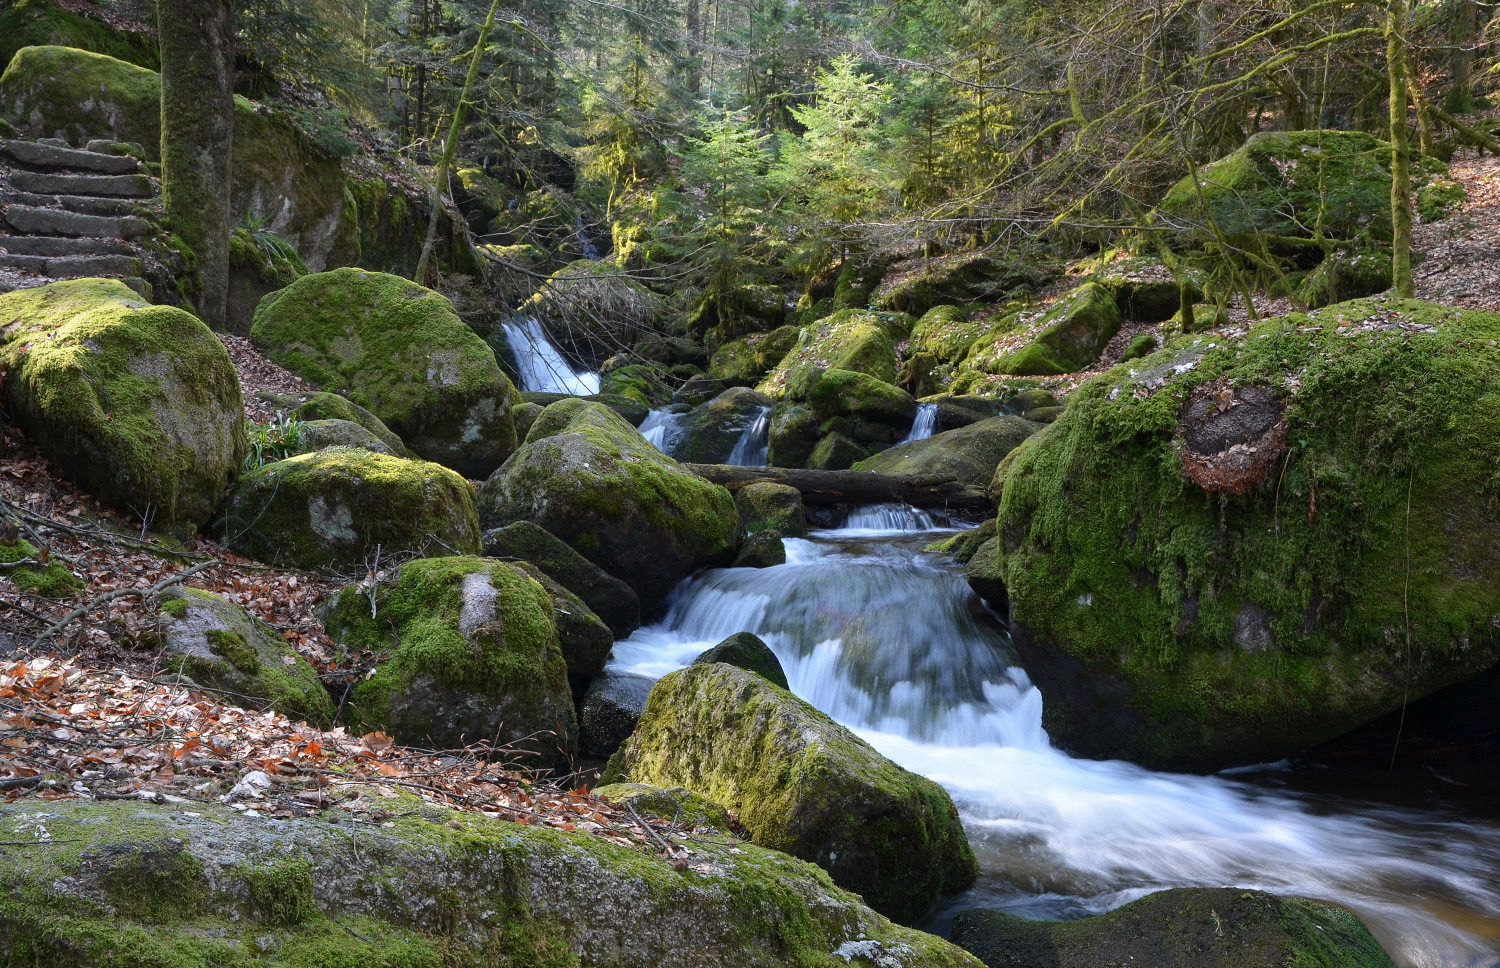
78,203
52,221
74,267
104,146
97,186
44,156
55,246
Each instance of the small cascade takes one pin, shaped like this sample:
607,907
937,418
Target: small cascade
887,518
925,424
540,365
590,251
751,449
661,428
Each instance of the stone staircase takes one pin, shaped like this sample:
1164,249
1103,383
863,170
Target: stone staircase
67,214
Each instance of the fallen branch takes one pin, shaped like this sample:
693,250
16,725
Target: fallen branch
107,597
852,487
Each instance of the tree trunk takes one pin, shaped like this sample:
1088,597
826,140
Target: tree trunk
1465,36
440,180
1395,49
197,138
851,487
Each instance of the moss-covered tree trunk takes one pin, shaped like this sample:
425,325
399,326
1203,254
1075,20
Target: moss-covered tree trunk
197,138
1395,48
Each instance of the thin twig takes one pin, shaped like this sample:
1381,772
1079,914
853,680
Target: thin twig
87,607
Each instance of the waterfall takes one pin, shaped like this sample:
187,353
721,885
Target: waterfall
750,450
925,423
661,428
886,518
891,642
540,365
590,252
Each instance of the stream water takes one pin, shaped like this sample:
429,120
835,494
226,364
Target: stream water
891,642
539,364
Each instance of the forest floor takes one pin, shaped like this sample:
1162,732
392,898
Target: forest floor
1461,254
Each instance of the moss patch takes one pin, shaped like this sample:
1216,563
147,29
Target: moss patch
51,580
850,339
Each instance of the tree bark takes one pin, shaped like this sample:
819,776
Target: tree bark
851,487
1465,34
1395,49
197,138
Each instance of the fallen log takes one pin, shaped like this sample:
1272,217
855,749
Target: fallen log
852,487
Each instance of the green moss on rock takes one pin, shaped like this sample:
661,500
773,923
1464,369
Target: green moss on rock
331,509
803,784
400,351
709,434
747,651
615,602
777,507
849,340
1070,336
225,649
745,362
40,23
52,580
473,654
1221,535
968,454
592,480
1182,928
331,406
137,404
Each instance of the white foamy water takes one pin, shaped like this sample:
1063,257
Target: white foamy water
871,520
661,428
925,424
540,365
754,443
892,643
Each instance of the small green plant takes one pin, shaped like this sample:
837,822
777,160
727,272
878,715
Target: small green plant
272,441
276,249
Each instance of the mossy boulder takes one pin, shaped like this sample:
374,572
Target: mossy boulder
730,315
44,23
968,455
331,406
955,410
747,651
223,648
583,637
962,546
848,340
1234,549
947,333
615,602
473,655
334,508
1144,288
318,435
917,285
792,432
63,92
708,434
136,404
1280,186
745,362
767,506
803,784
592,480
400,351
763,549
135,883
1068,337
254,273
985,573
51,579
1190,927
835,452
1346,275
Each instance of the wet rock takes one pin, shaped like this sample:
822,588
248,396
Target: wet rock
747,651
615,602
709,433
969,454
767,506
762,549
610,711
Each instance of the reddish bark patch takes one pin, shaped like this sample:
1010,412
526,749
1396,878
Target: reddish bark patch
1231,437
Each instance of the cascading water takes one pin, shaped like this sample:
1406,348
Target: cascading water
754,444
892,643
586,244
925,424
540,365
661,428
886,518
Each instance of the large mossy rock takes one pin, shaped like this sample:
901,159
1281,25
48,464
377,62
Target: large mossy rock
294,187
745,650
968,455
51,579
765,506
745,362
1225,553
1181,928
331,406
155,885
473,654
615,602
225,649
335,508
917,285
848,340
802,784
137,404
708,434
1145,289
583,637
591,479
401,352
948,333
1280,185
1068,337
38,23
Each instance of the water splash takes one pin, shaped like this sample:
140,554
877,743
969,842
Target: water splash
754,444
925,424
539,364
662,428
868,520
893,644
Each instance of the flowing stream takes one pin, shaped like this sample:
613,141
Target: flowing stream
891,642
924,425
540,365
754,444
